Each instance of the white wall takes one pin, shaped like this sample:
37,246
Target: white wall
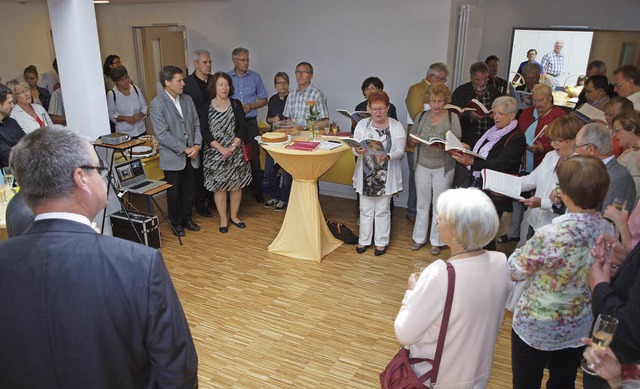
26,39
346,41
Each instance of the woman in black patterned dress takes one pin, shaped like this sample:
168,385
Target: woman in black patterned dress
225,170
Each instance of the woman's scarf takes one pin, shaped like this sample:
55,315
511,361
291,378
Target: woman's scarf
490,138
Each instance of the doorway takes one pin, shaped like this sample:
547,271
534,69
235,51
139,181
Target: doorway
155,47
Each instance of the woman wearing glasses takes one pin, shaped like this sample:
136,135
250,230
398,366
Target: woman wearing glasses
532,123
502,147
378,175
275,108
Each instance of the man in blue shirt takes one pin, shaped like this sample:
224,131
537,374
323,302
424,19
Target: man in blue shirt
250,90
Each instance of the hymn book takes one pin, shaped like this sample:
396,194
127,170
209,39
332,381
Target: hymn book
355,115
451,142
587,112
373,146
502,183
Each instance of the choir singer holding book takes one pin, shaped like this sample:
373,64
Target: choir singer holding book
502,145
377,176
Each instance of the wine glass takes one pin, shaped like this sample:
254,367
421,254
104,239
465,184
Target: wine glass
334,128
610,231
602,335
8,176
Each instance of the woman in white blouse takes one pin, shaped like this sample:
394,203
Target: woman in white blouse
467,221
29,116
378,175
126,104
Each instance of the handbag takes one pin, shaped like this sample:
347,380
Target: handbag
248,152
398,374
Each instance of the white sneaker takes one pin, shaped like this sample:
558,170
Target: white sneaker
280,206
270,203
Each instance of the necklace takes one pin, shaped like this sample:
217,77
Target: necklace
219,104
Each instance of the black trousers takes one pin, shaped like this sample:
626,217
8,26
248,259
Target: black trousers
201,194
256,172
528,363
180,195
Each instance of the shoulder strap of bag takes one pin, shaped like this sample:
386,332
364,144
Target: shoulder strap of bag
445,322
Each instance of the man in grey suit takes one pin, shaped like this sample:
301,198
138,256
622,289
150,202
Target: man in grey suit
176,124
80,309
595,139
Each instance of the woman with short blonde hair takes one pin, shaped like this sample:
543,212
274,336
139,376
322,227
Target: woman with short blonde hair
30,116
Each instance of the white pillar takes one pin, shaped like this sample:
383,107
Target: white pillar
75,36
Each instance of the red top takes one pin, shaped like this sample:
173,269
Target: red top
525,120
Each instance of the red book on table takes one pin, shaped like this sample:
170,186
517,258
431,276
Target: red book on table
302,145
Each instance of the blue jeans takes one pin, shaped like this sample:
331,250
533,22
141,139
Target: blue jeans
270,172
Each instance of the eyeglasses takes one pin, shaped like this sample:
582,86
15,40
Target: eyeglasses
102,170
303,72
615,130
589,90
584,145
379,109
619,84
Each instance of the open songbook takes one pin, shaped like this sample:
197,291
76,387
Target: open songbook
451,142
355,115
524,99
373,146
502,183
478,107
456,109
586,112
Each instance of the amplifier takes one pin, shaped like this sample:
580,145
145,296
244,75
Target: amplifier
145,225
115,139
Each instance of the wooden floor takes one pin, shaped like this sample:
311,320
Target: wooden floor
262,320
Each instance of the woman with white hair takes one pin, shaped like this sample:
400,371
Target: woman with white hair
467,221
502,146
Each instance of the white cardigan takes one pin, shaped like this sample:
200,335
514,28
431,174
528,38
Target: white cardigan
398,141
482,285
28,123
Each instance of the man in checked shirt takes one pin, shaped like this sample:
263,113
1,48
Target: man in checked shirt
553,62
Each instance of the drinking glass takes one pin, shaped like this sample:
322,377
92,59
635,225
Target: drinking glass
610,231
419,267
334,128
602,335
619,204
8,176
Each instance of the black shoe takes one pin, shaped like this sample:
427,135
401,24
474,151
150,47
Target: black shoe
506,238
379,252
224,229
204,212
361,250
259,198
191,226
178,231
239,224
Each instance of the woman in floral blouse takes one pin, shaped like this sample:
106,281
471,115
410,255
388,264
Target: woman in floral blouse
554,311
